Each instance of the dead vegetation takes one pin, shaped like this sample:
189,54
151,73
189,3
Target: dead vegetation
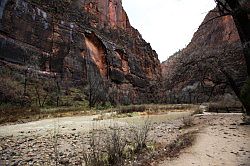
23,114
180,143
15,114
169,151
155,108
119,146
140,135
188,121
93,155
116,146
225,108
147,109
130,109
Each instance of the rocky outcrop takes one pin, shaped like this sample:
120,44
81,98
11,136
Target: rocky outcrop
108,13
78,41
202,71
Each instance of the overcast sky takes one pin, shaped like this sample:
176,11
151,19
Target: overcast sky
167,24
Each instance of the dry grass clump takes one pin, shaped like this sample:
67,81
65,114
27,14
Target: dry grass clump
170,150
154,108
140,135
185,140
130,109
170,107
223,107
106,148
188,121
14,114
94,156
115,145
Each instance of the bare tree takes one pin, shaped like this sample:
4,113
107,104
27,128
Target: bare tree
206,74
240,12
96,88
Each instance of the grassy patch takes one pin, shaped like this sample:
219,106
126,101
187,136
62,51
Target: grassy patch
15,114
169,151
130,109
156,108
21,114
184,141
11,113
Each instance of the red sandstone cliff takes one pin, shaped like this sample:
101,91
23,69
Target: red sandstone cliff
108,12
80,40
198,72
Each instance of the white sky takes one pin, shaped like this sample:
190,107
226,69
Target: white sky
168,25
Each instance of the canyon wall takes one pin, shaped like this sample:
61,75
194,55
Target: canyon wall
202,71
79,43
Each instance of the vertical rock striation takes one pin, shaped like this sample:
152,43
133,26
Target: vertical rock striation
78,40
108,12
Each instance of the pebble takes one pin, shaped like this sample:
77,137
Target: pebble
64,161
232,128
14,163
39,150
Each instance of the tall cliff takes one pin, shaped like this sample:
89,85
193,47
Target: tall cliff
202,71
88,44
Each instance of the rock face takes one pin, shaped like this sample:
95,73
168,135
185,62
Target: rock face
200,72
108,12
80,42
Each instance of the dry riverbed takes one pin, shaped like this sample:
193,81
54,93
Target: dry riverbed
33,143
219,139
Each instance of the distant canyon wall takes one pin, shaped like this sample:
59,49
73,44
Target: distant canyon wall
198,73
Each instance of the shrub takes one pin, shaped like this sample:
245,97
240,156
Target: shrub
106,149
188,121
140,135
94,156
114,145
11,91
104,106
130,109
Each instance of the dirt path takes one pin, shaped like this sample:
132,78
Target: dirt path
222,142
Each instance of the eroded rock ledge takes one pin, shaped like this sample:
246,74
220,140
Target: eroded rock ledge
79,39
